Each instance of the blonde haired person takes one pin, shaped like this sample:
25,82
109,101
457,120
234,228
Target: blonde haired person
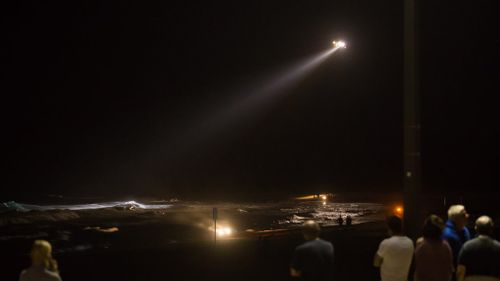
43,266
455,231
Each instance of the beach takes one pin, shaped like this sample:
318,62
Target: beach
143,245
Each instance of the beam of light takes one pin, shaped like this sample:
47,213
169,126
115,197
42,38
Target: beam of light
215,122
250,101
283,81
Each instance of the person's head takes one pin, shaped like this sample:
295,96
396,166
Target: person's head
484,226
458,215
395,225
433,228
310,230
41,255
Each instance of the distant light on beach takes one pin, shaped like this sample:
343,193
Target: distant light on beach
224,231
323,197
398,211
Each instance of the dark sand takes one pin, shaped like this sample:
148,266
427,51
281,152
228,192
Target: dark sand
152,258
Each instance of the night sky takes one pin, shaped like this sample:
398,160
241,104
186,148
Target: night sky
106,98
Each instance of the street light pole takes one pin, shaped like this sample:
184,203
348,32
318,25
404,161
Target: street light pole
412,160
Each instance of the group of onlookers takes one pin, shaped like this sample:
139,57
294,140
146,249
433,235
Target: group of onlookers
444,252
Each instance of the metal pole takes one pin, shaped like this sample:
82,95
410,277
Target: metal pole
412,160
215,225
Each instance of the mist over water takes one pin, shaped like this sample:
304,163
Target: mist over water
91,206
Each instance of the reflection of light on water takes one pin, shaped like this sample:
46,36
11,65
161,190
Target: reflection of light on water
326,213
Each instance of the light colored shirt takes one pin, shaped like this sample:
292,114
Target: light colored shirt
38,273
396,253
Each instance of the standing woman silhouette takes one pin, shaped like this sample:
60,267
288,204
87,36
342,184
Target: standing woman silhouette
43,266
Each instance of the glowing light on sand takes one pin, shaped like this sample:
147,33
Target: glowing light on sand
224,231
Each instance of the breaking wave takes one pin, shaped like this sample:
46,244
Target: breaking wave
130,205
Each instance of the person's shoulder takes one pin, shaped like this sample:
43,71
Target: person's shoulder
448,232
472,245
400,239
471,242
24,271
305,245
407,241
384,242
449,228
495,244
419,241
325,243
390,242
23,274
53,276
446,244
387,240
466,230
301,247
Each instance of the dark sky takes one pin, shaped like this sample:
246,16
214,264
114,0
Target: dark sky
97,96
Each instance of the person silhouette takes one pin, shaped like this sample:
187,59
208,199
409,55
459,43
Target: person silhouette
313,260
340,220
348,220
43,266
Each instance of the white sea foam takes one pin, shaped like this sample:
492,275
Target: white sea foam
92,206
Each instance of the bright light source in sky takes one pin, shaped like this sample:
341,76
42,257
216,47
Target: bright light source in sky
339,44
